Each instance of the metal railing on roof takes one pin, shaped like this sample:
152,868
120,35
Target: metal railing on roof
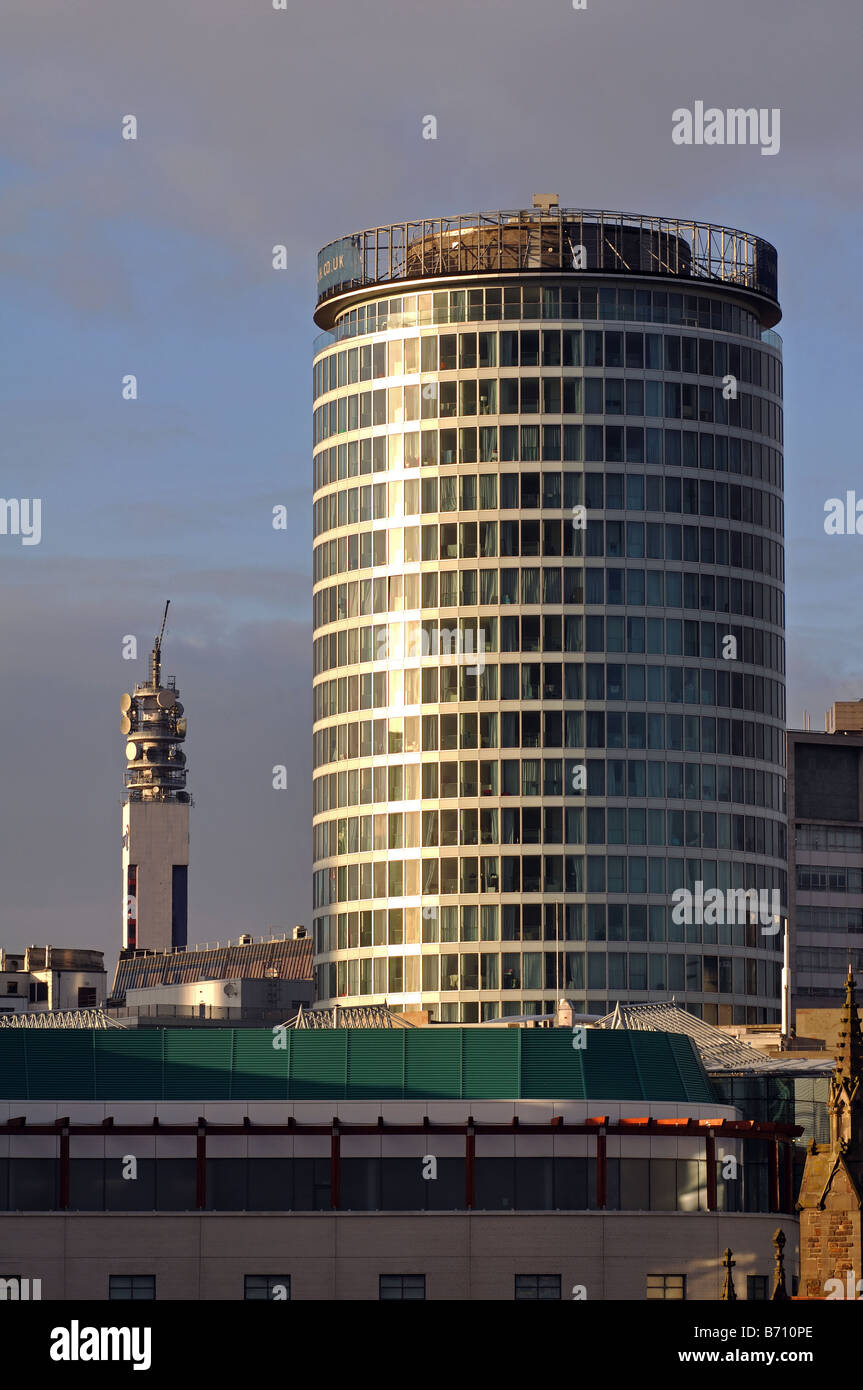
551,239
359,1016
60,1018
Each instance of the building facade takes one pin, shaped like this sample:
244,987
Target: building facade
548,615
438,1163
41,979
250,982
825,857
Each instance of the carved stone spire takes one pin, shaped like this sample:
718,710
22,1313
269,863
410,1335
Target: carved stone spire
831,1192
728,1292
779,1289
845,1105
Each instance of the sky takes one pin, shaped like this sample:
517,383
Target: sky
259,127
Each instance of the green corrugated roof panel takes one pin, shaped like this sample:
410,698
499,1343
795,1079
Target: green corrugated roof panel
261,1070
697,1085
376,1063
319,1064
490,1064
655,1064
198,1063
551,1068
128,1066
610,1072
415,1064
13,1064
432,1064
60,1073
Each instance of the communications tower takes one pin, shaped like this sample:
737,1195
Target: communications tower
155,812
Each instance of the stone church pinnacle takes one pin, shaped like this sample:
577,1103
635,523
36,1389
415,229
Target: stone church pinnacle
831,1192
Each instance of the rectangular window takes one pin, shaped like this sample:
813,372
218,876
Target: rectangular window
402,1287
259,1287
667,1286
544,1288
133,1286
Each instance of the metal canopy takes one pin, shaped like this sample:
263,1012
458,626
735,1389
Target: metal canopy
361,1016
61,1018
719,1051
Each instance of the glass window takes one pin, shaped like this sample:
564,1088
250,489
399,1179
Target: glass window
533,1287
666,1286
267,1286
132,1286
402,1287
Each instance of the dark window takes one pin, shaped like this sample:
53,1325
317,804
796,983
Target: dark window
533,1287
260,1287
756,1288
175,1184
402,1286
121,1193
179,904
134,1286
33,1184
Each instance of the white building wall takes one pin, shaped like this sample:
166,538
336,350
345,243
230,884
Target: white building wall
157,839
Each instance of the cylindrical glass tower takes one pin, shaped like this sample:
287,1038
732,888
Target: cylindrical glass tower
548,616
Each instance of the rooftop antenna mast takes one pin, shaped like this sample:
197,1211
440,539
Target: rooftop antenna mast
156,655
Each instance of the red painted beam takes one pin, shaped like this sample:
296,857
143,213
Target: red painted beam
710,1155
201,1165
773,1170
601,1171
470,1165
788,1161
335,1166
65,1170
766,1131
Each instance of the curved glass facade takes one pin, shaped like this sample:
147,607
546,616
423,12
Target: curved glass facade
548,654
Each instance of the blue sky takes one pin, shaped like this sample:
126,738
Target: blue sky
258,127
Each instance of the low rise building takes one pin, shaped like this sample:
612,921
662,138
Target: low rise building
356,1163
51,978
246,984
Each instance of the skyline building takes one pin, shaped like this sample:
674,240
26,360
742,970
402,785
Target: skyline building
155,812
548,615
825,855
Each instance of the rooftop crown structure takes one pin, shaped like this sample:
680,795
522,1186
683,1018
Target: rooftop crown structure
155,812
